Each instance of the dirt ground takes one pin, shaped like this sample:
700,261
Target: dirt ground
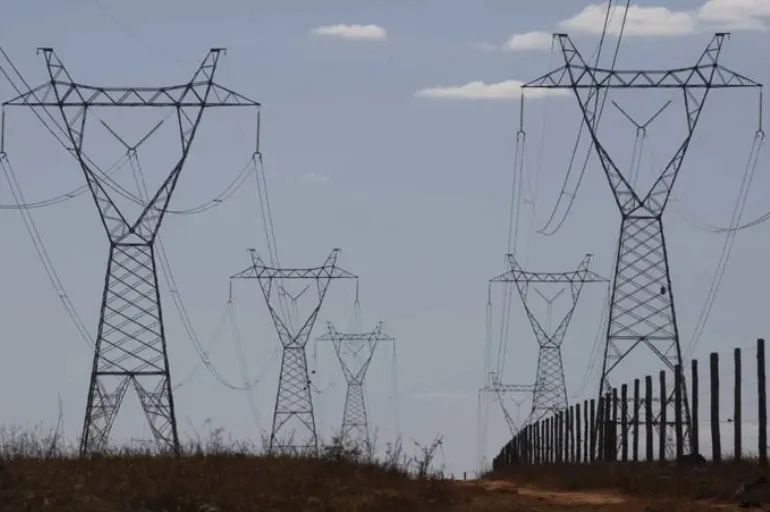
507,495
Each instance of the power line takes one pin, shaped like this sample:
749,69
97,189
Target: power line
563,192
174,289
740,205
42,253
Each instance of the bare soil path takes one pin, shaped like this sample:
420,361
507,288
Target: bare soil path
507,495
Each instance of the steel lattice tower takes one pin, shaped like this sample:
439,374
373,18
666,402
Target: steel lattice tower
549,393
131,341
355,426
293,402
642,310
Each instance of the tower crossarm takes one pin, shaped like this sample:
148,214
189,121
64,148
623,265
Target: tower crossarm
516,274
508,388
695,82
375,335
329,270
73,94
576,73
366,339
74,100
497,389
574,279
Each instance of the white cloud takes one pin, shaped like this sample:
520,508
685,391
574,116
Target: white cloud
652,22
485,46
478,90
641,21
529,41
735,14
372,32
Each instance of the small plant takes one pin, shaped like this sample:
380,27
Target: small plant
424,460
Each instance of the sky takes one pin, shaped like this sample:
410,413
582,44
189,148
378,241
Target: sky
388,130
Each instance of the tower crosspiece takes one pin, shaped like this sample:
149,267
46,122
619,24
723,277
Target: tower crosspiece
642,312
355,352
293,402
131,341
549,392
498,390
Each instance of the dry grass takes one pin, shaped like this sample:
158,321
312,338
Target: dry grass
38,474
230,482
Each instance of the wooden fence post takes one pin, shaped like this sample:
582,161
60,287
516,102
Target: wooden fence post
568,442
716,441
678,383
607,426
555,429
532,437
694,428
532,443
648,417
540,442
762,396
527,451
635,424
624,421
737,429
560,434
573,433
586,431
551,440
663,421
612,438
600,427
593,427
516,448
578,425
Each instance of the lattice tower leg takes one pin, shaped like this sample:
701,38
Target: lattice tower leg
550,393
642,315
130,348
294,405
354,421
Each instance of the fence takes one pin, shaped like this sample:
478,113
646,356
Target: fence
597,430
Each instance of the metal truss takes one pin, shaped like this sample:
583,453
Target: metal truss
131,341
355,352
498,390
293,402
642,310
549,394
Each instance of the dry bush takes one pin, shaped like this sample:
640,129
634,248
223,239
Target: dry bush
228,476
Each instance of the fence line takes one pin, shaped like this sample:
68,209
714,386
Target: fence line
606,430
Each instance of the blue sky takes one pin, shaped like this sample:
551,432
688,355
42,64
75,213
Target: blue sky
413,186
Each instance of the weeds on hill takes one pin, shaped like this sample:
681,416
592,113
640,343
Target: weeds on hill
41,472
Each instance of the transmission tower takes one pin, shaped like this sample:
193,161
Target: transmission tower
498,391
293,402
131,341
642,310
549,393
355,352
